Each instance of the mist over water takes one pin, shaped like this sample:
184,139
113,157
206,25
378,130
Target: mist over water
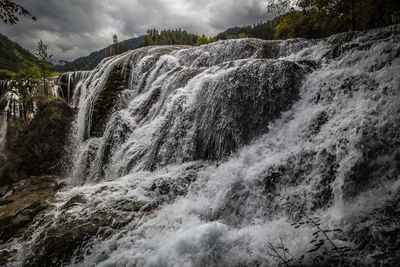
207,154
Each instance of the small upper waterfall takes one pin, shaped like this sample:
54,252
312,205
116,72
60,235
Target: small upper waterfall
70,83
216,155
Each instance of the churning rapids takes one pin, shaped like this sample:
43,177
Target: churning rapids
206,156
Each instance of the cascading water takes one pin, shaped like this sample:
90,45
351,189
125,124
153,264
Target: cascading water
3,131
205,156
69,83
3,120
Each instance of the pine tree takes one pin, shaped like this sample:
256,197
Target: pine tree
44,63
115,45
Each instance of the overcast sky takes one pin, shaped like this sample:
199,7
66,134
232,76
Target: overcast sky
74,28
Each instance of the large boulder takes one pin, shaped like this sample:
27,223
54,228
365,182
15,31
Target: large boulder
37,147
19,207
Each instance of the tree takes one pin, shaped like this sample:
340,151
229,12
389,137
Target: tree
202,40
9,9
44,63
108,51
168,37
280,6
115,45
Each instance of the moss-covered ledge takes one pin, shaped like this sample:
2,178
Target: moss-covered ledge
105,102
35,148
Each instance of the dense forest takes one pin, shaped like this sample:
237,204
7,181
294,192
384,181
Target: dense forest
321,18
261,30
168,37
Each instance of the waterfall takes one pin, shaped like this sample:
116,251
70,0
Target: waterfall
209,156
70,84
3,131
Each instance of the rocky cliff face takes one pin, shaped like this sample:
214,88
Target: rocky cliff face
232,154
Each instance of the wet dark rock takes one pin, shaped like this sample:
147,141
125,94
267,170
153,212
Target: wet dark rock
59,244
310,65
65,236
20,209
68,235
4,255
327,170
169,189
271,49
342,38
316,124
377,234
379,148
129,205
74,201
4,190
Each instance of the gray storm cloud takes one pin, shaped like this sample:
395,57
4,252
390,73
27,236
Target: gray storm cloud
74,28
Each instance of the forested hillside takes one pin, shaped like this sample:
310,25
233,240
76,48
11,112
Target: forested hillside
169,37
91,61
261,30
13,58
152,37
321,18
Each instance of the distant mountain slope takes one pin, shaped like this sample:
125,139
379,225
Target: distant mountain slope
232,31
13,58
261,30
91,61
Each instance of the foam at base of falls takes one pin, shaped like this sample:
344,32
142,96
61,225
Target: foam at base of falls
334,153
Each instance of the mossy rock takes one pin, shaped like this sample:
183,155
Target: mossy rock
37,181
106,100
8,173
59,244
18,210
35,148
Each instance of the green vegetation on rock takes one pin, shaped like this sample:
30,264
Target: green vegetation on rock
106,100
13,58
36,147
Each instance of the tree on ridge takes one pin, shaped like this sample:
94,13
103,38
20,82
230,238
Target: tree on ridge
44,62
